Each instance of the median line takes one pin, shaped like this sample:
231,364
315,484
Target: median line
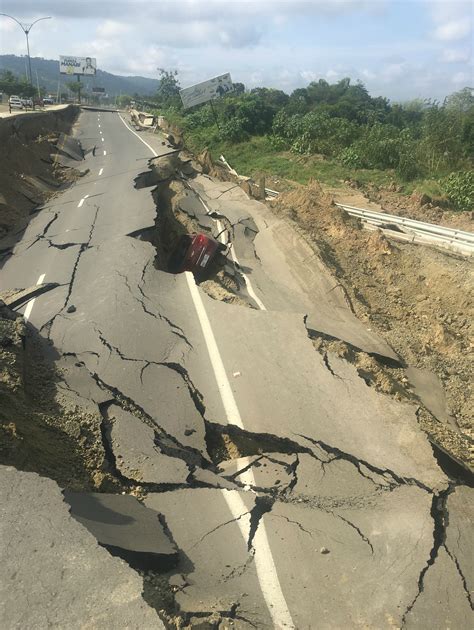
79,205
29,306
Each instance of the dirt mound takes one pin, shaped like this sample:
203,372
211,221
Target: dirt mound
420,207
418,298
29,172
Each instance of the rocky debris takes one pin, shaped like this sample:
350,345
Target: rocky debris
137,455
125,527
53,573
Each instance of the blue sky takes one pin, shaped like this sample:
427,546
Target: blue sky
402,49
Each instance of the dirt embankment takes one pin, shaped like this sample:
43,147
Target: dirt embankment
39,432
29,171
419,298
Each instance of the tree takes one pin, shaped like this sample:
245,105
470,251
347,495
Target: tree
461,101
168,90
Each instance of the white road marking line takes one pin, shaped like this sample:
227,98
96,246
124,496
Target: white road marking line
264,563
105,152
79,205
141,139
266,570
102,139
99,128
29,306
248,284
101,171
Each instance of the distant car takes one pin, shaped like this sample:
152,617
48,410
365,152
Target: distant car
48,101
27,102
15,102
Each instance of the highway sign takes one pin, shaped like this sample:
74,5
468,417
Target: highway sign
77,65
206,91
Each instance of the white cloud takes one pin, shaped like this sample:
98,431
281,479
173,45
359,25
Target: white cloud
111,28
453,30
456,55
460,77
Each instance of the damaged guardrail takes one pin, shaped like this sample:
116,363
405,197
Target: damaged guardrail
414,231
399,228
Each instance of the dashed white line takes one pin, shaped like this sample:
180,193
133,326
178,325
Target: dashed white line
101,171
105,152
29,306
102,139
99,128
79,205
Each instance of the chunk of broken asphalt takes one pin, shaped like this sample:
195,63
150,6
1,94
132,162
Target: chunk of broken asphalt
71,309
125,527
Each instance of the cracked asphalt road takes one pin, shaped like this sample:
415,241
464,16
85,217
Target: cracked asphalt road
328,508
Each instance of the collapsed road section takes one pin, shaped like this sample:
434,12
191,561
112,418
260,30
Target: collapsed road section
227,464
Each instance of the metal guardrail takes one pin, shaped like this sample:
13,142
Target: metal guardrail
401,228
415,231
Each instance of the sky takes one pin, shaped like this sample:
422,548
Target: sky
401,49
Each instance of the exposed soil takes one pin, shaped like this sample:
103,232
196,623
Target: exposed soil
419,298
39,430
29,172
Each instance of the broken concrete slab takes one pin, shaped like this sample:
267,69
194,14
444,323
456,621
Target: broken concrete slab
206,476
459,533
21,296
327,403
429,389
335,479
70,146
124,526
293,284
53,573
137,456
442,603
270,471
220,574
365,572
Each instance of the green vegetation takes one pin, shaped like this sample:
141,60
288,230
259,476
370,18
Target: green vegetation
10,84
333,133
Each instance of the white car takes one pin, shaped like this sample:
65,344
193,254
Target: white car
15,102
27,102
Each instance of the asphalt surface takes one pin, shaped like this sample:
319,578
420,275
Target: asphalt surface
332,511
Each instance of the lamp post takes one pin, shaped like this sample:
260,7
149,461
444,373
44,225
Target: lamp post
26,28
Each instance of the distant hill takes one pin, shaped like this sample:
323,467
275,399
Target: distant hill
48,75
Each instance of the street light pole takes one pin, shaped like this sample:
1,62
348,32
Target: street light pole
26,28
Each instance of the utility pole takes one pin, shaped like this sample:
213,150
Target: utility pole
26,28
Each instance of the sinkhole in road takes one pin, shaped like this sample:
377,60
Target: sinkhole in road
186,239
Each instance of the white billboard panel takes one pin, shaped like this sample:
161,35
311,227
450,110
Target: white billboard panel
206,91
77,65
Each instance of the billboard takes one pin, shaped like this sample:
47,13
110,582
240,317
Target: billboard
206,91
77,65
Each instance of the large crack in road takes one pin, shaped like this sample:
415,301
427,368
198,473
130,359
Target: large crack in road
330,483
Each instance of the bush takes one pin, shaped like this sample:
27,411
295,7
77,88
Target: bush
459,188
351,158
234,130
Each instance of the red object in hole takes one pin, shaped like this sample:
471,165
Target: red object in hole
194,252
